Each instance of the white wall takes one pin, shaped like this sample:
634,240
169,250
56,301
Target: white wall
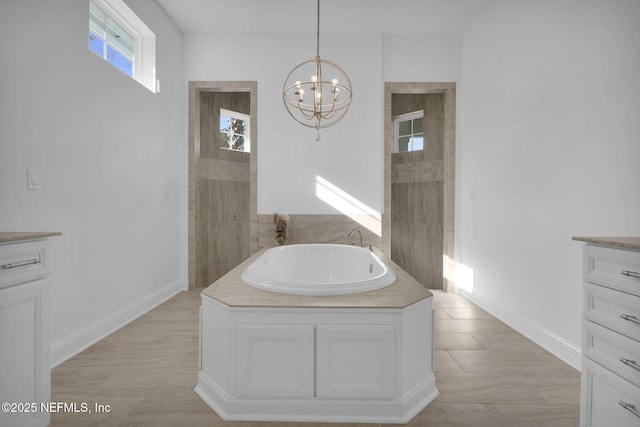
550,144
422,58
350,153
112,162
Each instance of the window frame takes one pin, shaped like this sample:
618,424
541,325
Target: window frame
396,129
247,128
144,41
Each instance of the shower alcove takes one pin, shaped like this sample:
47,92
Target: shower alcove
222,182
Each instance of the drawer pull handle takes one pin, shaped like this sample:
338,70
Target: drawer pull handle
630,318
21,264
629,407
630,273
631,363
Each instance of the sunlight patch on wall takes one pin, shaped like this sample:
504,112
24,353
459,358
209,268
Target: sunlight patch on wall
348,205
459,274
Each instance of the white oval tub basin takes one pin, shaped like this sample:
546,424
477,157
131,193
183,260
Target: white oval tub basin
318,269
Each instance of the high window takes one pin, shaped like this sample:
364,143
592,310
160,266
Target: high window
120,37
408,131
108,39
234,131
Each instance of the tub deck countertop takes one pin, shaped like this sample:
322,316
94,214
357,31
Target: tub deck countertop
233,292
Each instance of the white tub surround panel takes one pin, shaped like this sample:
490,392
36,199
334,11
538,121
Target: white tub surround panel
25,376
351,358
610,386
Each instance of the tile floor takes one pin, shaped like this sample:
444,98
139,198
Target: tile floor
487,374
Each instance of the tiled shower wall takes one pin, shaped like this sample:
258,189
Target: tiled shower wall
417,194
311,228
222,199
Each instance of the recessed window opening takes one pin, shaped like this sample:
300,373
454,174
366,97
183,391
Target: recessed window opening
120,37
234,131
408,132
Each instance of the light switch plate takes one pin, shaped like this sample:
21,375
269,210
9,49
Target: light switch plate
33,179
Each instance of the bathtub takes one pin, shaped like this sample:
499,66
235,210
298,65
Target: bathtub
359,358
318,269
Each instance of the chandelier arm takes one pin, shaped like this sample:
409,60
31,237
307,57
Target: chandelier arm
329,113
308,114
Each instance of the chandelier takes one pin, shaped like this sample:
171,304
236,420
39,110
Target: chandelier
313,100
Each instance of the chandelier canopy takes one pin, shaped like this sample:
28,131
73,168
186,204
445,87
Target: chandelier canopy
317,93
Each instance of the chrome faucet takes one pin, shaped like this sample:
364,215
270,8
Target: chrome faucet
359,232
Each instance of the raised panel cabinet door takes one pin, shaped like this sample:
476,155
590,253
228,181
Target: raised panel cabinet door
24,362
355,361
275,360
607,399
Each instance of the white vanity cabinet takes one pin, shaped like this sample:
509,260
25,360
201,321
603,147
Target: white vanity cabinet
610,385
24,329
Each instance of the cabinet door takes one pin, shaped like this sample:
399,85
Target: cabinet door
24,352
607,399
355,361
275,360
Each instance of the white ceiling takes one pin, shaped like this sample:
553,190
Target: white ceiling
385,16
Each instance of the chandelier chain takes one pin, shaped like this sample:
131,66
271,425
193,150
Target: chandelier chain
318,32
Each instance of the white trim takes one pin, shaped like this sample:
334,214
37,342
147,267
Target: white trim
564,350
80,340
396,411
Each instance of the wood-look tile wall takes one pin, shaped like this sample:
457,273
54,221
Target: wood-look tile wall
417,193
222,226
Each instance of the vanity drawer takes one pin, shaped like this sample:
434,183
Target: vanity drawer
612,350
612,309
615,268
20,262
608,400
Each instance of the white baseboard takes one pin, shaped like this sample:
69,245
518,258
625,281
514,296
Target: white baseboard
73,344
564,350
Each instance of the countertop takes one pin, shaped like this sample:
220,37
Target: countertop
15,236
233,292
616,242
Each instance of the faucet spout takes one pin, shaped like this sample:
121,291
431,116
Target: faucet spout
359,233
